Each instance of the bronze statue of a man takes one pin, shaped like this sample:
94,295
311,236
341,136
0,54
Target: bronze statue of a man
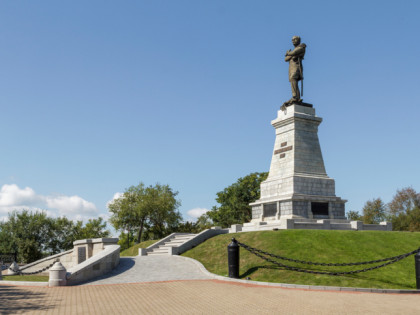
295,57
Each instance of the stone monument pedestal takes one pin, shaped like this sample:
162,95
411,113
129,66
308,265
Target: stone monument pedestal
297,186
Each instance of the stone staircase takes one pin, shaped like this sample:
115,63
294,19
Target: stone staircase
175,241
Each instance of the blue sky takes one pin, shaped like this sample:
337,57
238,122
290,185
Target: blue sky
97,96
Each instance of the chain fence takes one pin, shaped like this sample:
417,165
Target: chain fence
22,273
387,261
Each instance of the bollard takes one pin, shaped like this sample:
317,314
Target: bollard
233,259
417,264
57,275
13,266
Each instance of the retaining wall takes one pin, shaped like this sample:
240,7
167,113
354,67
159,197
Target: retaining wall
97,265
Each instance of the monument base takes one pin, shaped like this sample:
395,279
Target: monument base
285,223
299,206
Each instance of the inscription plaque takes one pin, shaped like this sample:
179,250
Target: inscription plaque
270,210
81,254
290,147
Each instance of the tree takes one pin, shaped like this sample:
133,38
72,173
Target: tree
63,234
204,222
404,200
127,212
404,210
27,233
374,211
34,235
354,216
152,211
125,240
163,216
234,200
94,228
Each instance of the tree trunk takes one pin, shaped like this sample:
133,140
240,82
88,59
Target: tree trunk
128,238
140,231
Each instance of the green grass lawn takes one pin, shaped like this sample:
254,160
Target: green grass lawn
134,250
26,278
318,246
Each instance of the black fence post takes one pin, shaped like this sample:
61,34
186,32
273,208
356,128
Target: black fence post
233,259
417,264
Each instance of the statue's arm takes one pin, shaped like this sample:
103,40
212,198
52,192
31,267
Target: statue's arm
297,51
287,58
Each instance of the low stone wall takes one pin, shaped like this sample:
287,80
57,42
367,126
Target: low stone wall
97,265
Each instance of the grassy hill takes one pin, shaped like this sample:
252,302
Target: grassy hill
134,250
318,246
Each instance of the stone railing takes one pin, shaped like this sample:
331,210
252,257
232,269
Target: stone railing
64,257
198,239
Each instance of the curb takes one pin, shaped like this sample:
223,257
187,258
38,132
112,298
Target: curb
299,286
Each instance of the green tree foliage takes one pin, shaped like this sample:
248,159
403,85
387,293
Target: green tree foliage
163,216
34,235
234,200
404,210
404,200
27,233
187,227
374,211
126,240
354,216
94,228
204,222
150,211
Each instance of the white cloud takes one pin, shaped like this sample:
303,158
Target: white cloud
12,195
116,196
196,212
73,207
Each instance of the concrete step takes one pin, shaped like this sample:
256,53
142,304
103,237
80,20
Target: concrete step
160,250
186,237
156,254
175,242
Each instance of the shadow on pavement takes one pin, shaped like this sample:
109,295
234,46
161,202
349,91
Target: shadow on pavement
126,263
19,300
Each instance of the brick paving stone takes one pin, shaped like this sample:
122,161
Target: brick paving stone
136,287
197,297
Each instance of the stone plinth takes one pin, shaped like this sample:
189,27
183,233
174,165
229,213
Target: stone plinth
297,185
84,249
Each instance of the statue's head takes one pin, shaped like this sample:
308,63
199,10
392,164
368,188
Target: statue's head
296,40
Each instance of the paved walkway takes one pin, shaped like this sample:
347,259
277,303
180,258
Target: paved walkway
152,268
137,287
197,297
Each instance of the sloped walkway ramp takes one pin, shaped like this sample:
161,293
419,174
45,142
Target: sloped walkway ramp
152,268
